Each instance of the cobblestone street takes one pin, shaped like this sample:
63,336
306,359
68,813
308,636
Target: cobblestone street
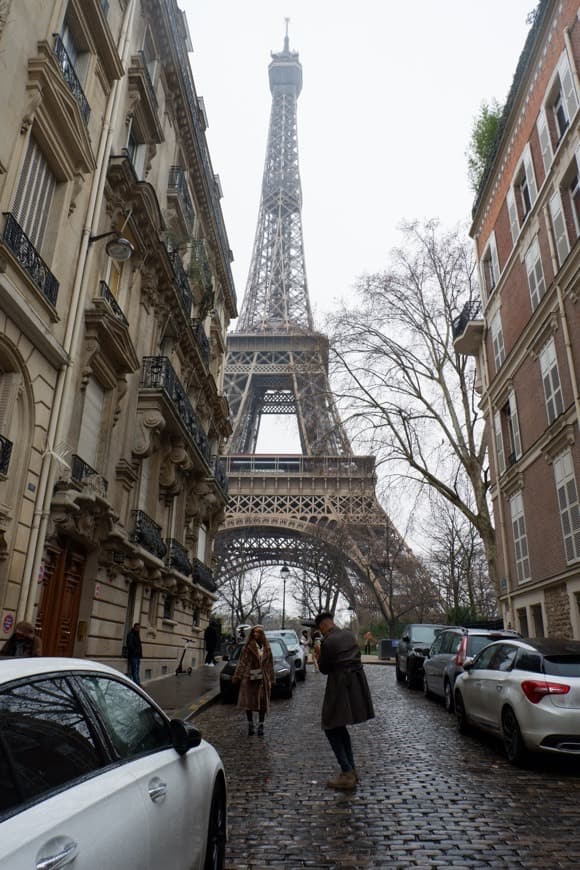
427,797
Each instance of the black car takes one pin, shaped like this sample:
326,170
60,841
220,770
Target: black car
412,650
448,653
284,671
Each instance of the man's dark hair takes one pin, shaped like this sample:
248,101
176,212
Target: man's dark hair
321,617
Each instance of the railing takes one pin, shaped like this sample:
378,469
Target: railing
202,340
328,466
81,472
177,557
221,475
177,184
200,263
202,575
175,21
148,534
158,373
68,71
148,82
5,454
112,302
181,280
470,311
16,239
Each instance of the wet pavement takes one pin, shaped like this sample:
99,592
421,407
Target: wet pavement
428,797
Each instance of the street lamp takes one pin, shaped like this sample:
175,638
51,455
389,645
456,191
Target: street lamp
284,574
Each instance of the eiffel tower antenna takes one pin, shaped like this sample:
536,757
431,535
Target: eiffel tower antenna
320,504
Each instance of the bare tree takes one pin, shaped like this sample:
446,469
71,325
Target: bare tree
246,597
405,392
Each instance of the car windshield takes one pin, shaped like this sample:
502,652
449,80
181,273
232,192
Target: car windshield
277,649
289,637
424,634
562,666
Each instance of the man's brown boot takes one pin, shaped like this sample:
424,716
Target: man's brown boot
344,781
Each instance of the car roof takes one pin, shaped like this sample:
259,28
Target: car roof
547,646
14,668
500,633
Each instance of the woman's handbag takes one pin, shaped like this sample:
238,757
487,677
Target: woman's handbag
256,674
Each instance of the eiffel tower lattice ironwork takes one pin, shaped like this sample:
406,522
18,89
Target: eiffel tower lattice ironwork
319,507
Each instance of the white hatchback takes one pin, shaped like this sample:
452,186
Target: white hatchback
93,774
525,691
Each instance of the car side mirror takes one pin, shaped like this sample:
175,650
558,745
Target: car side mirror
468,663
184,736
406,638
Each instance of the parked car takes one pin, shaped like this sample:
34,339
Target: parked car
448,652
291,640
527,692
412,651
93,772
284,672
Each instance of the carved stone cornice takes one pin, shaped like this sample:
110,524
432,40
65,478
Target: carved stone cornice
558,438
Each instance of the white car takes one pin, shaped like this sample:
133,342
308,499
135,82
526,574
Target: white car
94,775
527,692
290,638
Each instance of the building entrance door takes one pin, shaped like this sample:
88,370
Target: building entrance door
60,599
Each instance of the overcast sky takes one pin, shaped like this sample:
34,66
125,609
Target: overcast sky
390,91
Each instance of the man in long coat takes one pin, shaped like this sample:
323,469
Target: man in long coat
347,699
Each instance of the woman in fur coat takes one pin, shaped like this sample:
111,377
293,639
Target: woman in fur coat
255,674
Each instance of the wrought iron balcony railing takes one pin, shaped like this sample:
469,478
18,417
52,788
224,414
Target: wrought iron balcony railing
202,340
177,185
221,475
181,281
148,82
147,534
470,311
177,557
82,472
158,373
70,77
16,239
202,575
5,454
112,302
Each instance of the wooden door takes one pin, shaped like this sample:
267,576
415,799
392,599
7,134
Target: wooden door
60,599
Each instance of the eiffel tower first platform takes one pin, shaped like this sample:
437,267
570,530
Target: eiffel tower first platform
318,507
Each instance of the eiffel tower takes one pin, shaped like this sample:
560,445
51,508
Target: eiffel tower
318,507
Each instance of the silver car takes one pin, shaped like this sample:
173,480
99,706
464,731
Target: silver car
527,692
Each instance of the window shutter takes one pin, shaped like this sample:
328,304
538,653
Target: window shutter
568,504
497,340
535,273
494,257
568,89
9,386
545,142
530,175
559,227
201,543
517,441
91,423
34,194
513,214
499,442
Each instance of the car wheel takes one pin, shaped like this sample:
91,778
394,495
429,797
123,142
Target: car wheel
215,853
514,746
411,679
426,690
460,714
398,673
448,696
302,674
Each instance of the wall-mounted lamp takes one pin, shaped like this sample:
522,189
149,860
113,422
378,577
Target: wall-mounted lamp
118,247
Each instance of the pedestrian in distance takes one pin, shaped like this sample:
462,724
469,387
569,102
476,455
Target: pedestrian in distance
255,674
134,653
210,637
24,642
315,641
347,698
369,641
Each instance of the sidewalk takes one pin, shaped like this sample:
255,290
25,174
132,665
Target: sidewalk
185,695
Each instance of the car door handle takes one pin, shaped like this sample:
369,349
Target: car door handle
57,853
498,688
157,789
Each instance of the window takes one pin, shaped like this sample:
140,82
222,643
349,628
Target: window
545,141
538,620
490,266
136,151
90,431
497,340
523,623
564,101
559,227
520,538
153,607
34,195
47,737
528,660
134,725
483,660
513,214
525,185
503,658
168,607
567,491
510,412
499,442
201,543
551,381
574,194
535,271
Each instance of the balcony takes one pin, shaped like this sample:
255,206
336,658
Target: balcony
82,473
148,535
5,454
178,197
28,257
141,90
203,576
202,340
177,557
181,281
221,476
467,329
106,294
68,71
159,374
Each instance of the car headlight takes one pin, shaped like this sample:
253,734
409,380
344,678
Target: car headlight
283,671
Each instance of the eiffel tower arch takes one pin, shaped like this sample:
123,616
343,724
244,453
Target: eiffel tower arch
319,505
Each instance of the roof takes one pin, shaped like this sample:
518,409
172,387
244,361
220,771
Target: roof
14,668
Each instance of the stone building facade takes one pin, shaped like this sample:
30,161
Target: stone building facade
526,338
115,296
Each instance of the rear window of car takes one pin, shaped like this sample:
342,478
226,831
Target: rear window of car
562,666
424,634
476,642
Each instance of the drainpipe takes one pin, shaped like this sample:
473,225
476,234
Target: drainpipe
57,420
